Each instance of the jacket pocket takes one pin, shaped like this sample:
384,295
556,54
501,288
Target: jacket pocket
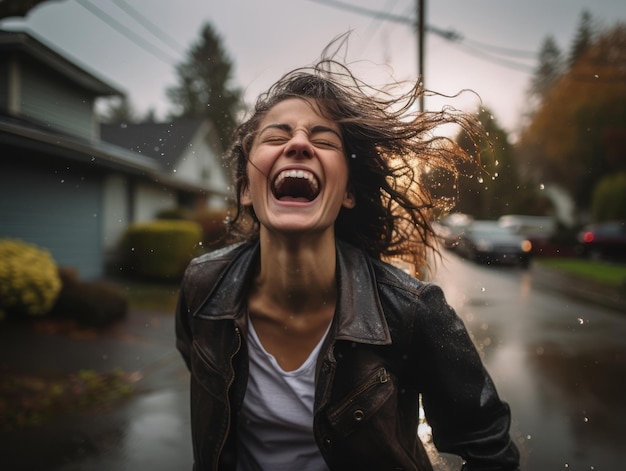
362,403
206,374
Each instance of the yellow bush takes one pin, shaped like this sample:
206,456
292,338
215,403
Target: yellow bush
29,279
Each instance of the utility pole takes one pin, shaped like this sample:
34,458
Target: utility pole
421,15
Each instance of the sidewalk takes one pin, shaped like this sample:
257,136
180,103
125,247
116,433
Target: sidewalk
150,430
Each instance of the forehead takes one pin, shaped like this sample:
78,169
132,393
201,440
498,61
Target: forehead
297,112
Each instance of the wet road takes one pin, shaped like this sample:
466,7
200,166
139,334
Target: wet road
559,363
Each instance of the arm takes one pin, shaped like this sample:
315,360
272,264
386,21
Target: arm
460,400
183,329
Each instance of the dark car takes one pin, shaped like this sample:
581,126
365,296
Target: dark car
449,228
489,242
605,240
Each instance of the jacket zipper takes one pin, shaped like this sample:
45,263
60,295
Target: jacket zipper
379,377
228,408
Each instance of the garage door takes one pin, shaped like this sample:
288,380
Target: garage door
57,208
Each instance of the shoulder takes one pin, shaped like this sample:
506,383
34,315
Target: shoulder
204,271
419,302
225,253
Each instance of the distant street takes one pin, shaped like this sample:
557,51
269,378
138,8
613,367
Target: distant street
559,363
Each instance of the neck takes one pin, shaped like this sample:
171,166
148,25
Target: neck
297,275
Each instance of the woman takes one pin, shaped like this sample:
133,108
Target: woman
307,350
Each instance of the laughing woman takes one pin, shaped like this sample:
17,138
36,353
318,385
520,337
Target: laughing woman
307,349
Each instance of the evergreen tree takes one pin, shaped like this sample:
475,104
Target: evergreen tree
491,189
583,39
549,69
204,87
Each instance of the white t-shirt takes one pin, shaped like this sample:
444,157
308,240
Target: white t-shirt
276,425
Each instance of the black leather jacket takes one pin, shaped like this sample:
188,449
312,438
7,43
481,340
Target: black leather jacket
392,338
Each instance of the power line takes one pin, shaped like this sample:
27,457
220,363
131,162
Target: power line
366,11
501,61
134,37
501,50
149,26
470,46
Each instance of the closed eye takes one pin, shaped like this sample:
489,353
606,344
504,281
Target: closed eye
275,139
326,143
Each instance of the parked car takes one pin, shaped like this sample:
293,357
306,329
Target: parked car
449,228
605,240
489,242
539,230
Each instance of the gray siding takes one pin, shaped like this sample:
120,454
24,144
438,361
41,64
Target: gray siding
53,101
57,209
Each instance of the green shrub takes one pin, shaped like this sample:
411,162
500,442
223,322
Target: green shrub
609,198
160,249
29,281
91,303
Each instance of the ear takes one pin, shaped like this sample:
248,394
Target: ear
349,201
244,198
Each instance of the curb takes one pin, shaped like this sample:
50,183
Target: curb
612,297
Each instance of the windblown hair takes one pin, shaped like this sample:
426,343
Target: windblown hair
390,147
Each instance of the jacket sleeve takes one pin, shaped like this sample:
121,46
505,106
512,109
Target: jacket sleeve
183,328
460,401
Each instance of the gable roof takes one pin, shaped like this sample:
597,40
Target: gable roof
26,43
163,142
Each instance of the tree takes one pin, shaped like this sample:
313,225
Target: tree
566,141
493,188
204,87
609,198
549,69
583,39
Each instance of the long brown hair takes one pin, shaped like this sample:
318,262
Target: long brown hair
389,145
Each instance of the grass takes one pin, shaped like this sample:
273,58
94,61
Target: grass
602,272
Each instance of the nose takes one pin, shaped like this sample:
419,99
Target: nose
299,146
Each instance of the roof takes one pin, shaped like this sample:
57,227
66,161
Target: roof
23,134
163,142
26,43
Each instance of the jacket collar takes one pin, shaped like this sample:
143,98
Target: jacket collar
359,316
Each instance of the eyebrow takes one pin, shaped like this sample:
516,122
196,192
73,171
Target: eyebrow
318,128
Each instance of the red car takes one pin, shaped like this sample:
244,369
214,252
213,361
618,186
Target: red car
605,240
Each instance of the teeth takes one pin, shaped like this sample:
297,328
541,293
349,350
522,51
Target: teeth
297,174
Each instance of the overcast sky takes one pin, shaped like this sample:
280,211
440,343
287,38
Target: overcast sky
266,38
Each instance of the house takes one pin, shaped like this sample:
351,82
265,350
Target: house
186,149
61,186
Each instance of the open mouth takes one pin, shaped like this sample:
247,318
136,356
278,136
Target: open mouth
296,185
